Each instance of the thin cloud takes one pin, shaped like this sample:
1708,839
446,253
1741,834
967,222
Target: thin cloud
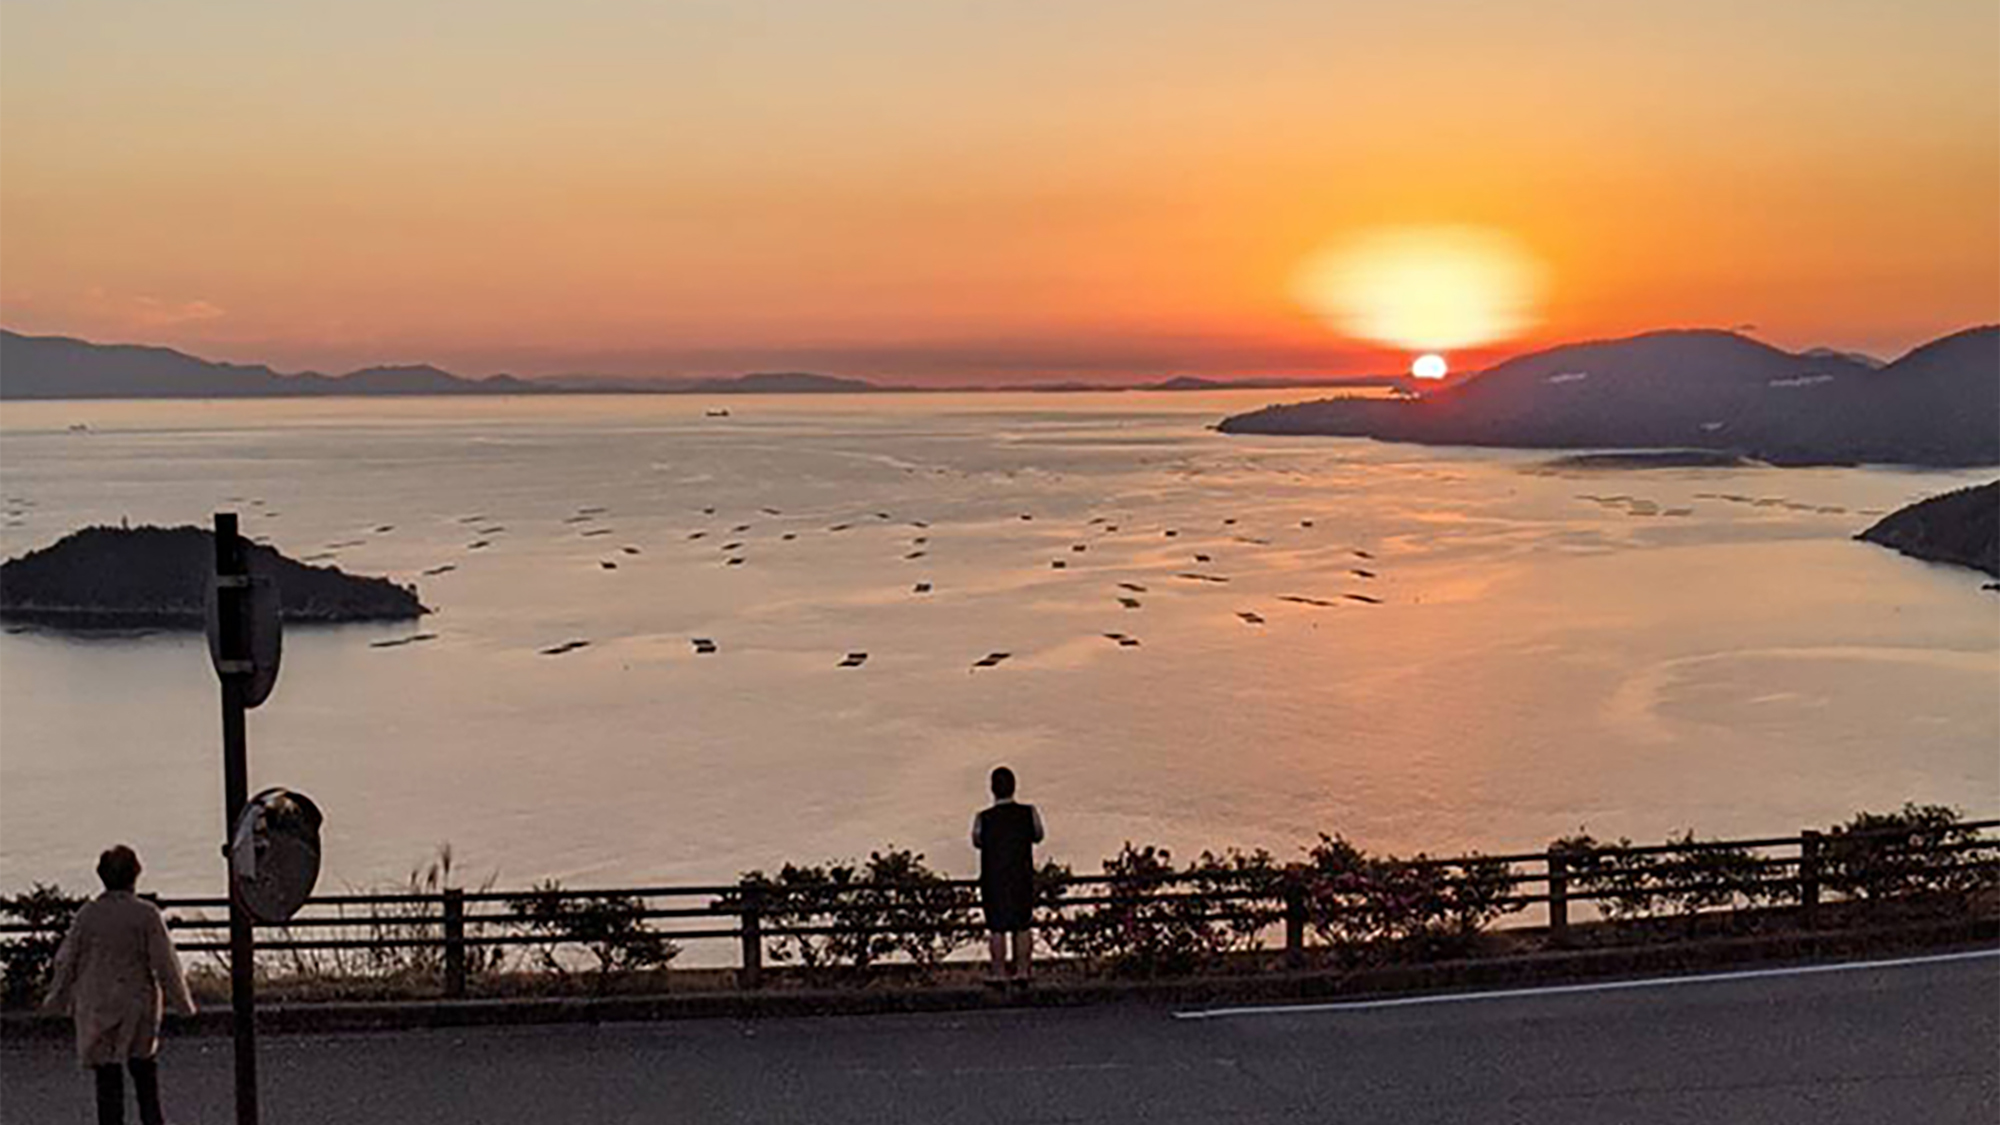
154,312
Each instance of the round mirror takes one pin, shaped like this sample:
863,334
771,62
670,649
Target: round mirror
274,854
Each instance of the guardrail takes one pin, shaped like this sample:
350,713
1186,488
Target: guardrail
1323,903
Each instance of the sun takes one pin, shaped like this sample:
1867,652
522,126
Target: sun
1428,289
1431,366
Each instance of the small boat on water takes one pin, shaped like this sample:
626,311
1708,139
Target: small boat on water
718,412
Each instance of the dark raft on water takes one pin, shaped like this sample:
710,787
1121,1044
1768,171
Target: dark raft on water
1961,527
110,577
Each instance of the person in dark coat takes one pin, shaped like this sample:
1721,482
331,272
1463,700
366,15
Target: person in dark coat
1006,835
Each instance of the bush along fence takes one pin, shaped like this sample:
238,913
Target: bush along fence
1142,914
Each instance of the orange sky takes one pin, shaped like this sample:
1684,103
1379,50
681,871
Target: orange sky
941,190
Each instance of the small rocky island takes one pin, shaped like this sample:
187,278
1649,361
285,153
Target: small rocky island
1961,527
117,578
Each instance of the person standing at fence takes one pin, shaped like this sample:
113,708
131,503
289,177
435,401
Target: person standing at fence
1006,835
110,973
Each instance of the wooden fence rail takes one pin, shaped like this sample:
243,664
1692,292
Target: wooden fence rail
447,927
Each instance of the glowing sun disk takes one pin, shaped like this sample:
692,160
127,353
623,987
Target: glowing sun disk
1431,288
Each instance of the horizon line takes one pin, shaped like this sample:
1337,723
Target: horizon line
1064,375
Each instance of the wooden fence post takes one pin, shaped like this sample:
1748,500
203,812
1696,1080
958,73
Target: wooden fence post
454,942
1295,924
1809,842
752,973
1558,897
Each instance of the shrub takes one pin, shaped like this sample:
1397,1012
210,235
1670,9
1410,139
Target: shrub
802,919
1337,883
1619,882
1244,892
1478,896
609,927
1141,927
1696,876
1052,901
1052,886
840,915
27,959
1365,906
902,908
1919,849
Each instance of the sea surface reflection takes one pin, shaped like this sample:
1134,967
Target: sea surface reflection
1419,648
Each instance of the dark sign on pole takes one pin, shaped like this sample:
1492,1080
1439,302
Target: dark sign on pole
258,632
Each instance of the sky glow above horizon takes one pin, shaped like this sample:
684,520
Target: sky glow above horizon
952,191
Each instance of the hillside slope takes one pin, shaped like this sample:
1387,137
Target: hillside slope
1961,527
61,367
1938,405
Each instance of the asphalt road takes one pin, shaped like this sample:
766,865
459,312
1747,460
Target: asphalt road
1912,1042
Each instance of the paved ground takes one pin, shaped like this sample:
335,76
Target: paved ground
1910,1042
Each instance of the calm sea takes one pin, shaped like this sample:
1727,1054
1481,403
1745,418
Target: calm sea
1626,652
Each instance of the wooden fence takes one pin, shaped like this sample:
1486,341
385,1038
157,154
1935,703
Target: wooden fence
1299,905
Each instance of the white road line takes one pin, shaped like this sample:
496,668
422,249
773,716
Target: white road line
1565,989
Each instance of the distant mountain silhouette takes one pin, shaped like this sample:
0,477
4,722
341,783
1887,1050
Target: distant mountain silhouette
61,367
1961,527
420,379
781,382
1699,389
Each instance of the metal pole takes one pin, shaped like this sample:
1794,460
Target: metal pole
232,567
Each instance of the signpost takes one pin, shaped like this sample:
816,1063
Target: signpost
243,641
257,602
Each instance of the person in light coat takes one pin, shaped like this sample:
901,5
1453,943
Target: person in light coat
112,971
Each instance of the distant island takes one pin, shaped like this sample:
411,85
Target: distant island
60,367
1961,527
1699,389
114,577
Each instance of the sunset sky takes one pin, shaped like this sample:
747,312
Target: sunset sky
942,191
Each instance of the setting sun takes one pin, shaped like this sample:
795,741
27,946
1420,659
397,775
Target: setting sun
1431,366
1425,287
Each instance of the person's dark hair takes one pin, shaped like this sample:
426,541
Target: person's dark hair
1003,782
118,867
